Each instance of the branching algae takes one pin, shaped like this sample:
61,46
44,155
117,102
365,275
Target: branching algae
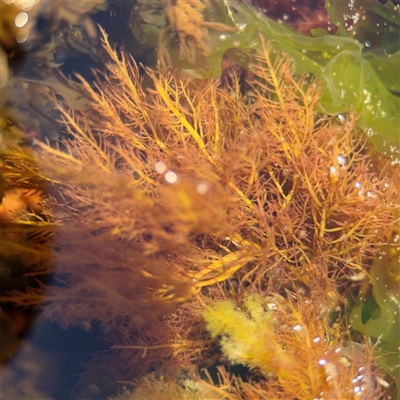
174,193
356,68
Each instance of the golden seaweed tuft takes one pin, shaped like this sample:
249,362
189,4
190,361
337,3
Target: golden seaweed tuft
170,189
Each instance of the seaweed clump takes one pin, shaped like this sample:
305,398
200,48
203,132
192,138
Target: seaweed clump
171,189
294,347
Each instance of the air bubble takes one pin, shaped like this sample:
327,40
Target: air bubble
171,177
202,188
372,195
241,27
298,328
338,350
341,117
160,167
21,19
370,132
342,160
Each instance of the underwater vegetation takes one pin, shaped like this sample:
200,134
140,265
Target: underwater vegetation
357,66
201,223
301,356
178,207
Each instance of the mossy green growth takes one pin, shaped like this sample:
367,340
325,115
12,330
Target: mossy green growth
248,337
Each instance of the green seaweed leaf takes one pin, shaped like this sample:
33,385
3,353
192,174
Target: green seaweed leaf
374,24
376,314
